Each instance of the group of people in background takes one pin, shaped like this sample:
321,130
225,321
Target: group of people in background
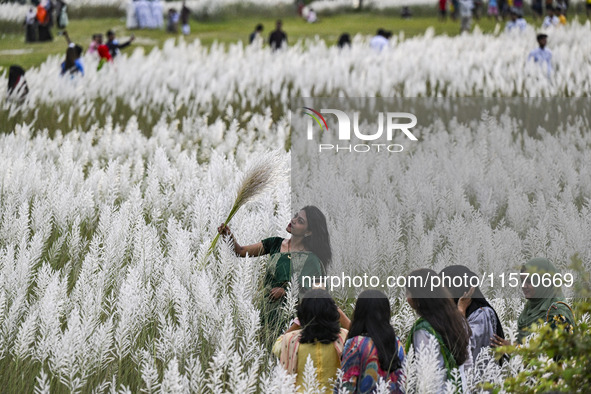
457,321
48,13
40,19
277,38
145,14
501,9
105,52
306,12
380,42
174,17
555,15
38,24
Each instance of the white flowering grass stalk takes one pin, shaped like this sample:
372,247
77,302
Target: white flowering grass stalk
310,381
261,176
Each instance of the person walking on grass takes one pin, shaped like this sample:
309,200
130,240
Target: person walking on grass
312,17
466,9
172,21
61,12
278,38
31,25
44,21
561,16
551,20
536,7
493,9
542,55
443,10
517,22
256,35
380,41
185,14
456,8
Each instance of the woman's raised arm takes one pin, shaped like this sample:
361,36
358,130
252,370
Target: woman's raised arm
252,249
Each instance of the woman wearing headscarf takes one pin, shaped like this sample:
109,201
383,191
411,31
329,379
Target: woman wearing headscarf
482,318
544,304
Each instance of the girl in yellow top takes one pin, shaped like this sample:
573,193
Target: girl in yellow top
561,16
318,336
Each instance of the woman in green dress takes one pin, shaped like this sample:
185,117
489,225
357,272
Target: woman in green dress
306,254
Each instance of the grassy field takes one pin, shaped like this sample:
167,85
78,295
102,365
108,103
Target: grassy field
230,26
228,29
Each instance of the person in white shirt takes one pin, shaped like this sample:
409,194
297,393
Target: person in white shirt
31,24
143,14
157,14
517,22
551,20
466,7
312,17
541,55
256,37
380,41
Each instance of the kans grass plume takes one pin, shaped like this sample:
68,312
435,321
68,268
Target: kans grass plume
261,176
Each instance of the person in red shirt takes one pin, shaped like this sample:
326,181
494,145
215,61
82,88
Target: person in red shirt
103,51
443,9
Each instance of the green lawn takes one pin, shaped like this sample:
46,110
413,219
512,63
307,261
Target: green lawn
13,49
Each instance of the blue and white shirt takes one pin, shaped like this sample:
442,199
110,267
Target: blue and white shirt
543,57
517,25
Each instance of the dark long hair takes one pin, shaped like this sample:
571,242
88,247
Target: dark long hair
437,307
372,318
344,40
319,241
70,62
319,317
478,300
15,73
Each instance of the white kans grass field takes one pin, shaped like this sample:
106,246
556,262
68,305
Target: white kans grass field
105,221
194,80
